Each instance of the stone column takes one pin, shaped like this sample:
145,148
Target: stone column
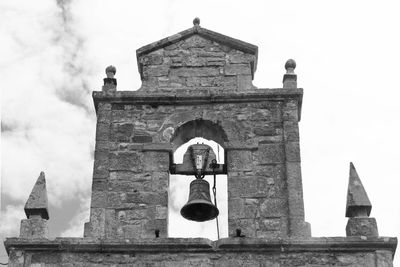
297,226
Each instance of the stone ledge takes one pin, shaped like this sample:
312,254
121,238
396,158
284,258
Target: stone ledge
200,96
198,245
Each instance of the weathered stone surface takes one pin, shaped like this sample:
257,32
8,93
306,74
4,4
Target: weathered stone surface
195,62
290,111
358,204
237,69
156,161
34,228
122,132
37,205
270,153
102,131
99,199
292,150
362,227
240,160
238,251
126,161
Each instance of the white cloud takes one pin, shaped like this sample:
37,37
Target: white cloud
10,220
76,224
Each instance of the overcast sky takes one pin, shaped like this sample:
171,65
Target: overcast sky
54,54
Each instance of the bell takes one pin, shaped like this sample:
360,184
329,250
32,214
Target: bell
199,207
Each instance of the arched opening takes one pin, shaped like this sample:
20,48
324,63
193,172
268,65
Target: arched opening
209,133
198,128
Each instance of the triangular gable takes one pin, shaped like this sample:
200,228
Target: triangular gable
205,33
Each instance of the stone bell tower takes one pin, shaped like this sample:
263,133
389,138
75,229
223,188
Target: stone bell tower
198,83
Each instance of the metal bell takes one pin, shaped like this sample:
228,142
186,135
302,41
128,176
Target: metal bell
199,207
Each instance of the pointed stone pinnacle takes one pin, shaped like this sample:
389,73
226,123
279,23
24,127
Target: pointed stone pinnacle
37,205
358,204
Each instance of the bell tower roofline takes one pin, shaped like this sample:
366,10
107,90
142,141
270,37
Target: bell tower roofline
205,33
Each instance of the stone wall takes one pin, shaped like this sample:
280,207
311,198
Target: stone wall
194,63
135,141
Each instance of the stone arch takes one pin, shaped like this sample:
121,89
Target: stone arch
198,128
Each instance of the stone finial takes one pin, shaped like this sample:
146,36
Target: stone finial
36,205
290,65
36,209
358,208
196,21
110,71
358,204
290,78
110,83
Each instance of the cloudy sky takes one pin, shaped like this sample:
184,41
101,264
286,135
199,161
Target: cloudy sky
54,54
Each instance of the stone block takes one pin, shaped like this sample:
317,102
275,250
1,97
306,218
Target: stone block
161,212
130,175
99,199
160,181
251,187
155,70
195,72
102,131
104,146
159,224
129,185
116,199
35,227
121,132
133,230
291,131
270,153
49,259
150,198
247,226
265,131
142,138
111,223
240,209
97,222
103,116
156,161
208,54
273,207
362,226
214,62
239,57
292,151
240,160
269,224
101,164
299,228
126,161
155,58
290,111
244,82
237,69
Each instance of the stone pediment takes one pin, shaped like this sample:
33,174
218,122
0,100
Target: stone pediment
197,58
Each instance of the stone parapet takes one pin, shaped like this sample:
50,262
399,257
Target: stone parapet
332,251
185,245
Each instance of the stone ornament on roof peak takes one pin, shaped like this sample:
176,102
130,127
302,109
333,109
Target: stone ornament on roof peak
196,21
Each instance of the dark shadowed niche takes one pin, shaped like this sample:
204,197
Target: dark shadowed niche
199,128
